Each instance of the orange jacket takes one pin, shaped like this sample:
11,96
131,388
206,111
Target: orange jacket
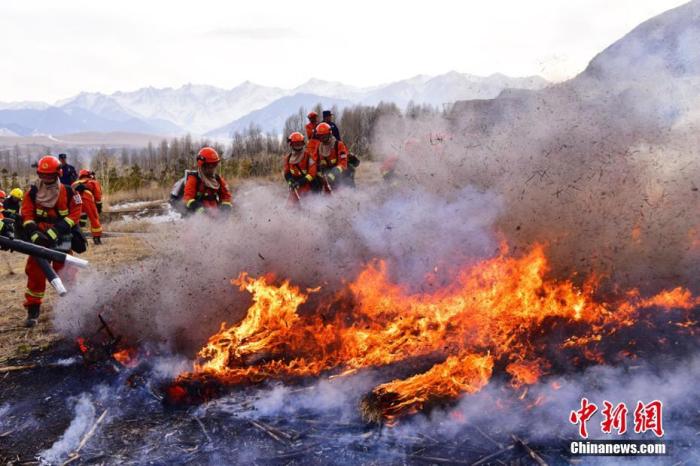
195,191
310,127
338,157
91,186
61,217
306,168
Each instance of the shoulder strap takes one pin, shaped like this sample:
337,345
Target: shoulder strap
32,193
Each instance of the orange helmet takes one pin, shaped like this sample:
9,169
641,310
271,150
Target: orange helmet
295,137
3,195
84,173
48,165
323,129
312,115
296,140
207,155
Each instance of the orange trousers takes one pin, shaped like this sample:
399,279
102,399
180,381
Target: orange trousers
36,281
90,213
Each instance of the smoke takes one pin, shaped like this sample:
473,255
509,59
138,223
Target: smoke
182,294
69,441
598,169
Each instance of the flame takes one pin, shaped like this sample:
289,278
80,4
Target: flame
496,310
450,379
126,357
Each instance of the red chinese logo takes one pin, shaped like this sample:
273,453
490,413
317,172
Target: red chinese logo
614,418
582,416
647,417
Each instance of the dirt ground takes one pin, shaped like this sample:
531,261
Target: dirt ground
17,341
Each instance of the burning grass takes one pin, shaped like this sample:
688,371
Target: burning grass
501,315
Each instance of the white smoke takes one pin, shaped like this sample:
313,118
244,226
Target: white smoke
69,441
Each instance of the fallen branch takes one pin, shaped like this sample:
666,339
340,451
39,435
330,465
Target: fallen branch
71,458
533,454
488,437
269,432
17,368
201,424
91,432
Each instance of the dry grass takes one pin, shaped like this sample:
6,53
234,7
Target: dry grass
152,193
17,341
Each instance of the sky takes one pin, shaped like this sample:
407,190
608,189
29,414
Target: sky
52,50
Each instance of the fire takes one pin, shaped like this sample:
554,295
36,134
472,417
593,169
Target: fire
450,379
126,357
497,312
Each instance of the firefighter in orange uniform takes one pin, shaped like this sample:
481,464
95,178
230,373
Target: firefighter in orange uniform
206,191
300,168
98,192
91,195
332,156
311,125
49,212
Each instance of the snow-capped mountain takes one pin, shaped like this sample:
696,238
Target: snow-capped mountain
332,89
203,109
26,105
271,118
199,108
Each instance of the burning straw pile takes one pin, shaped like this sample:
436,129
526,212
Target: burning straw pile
500,316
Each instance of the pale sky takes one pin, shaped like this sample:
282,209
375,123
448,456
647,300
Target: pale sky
51,49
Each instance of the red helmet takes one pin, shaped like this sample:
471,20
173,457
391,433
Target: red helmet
295,137
296,141
323,129
84,173
3,195
48,165
207,155
312,115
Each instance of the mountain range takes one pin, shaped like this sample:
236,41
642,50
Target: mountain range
216,112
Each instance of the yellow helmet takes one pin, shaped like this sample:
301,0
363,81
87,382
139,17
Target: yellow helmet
17,193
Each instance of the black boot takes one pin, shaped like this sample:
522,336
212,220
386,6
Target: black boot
32,315
97,240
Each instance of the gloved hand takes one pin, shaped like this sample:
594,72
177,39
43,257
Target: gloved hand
42,239
196,207
7,228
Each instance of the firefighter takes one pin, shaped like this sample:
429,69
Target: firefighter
98,189
300,168
11,206
49,212
332,156
204,189
91,194
311,125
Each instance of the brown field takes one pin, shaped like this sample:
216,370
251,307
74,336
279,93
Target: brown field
17,341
